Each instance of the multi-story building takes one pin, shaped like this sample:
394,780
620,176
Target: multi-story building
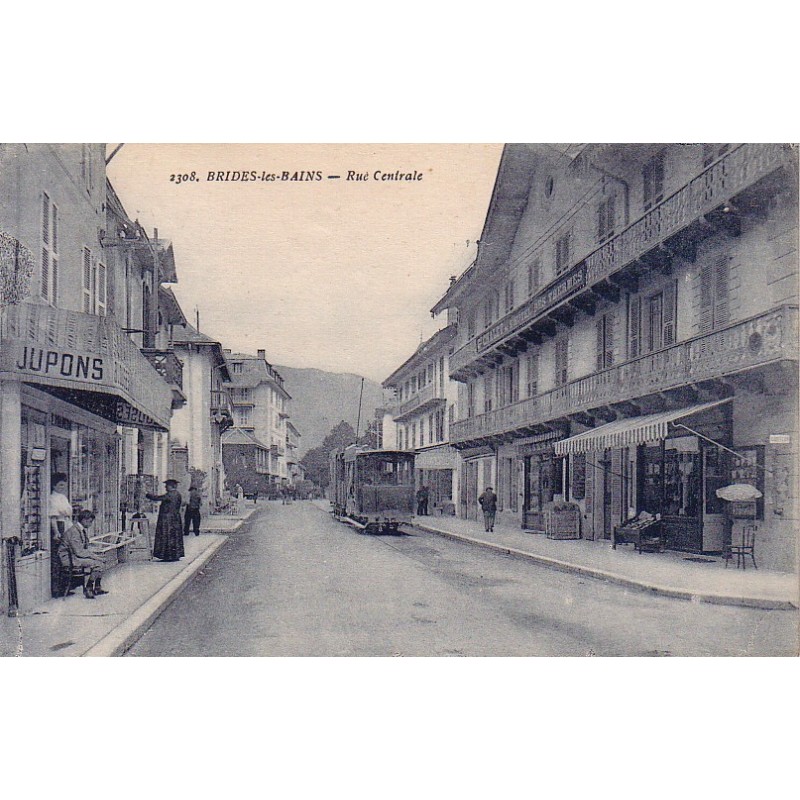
197,428
293,471
627,340
71,377
261,409
420,409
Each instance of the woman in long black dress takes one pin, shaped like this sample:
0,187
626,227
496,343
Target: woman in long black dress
168,545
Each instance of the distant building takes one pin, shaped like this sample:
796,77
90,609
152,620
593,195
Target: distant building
418,414
261,409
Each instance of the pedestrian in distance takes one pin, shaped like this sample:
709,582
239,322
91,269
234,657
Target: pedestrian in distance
74,551
191,517
422,501
168,544
488,502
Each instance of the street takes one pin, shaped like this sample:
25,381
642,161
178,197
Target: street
294,582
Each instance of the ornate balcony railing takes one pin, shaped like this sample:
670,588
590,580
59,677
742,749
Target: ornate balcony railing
166,364
725,178
221,405
463,356
768,337
427,396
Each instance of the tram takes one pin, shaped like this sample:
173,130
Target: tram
372,488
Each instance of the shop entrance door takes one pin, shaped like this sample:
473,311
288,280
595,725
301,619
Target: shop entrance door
59,462
469,490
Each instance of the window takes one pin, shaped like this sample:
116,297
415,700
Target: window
509,295
714,294
488,392
533,374
563,252
87,171
652,321
534,275
243,417
508,385
95,287
605,219
561,360
237,368
49,277
470,399
488,311
414,435
653,181
471,325
399,438
605,341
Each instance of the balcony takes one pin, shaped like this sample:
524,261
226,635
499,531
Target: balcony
709,202
755,342
221,408
426,398
170,368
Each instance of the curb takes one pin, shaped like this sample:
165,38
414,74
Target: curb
621,580
125,635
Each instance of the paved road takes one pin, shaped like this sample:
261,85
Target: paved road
293,582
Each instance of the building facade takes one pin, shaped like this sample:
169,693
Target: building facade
261,409
71,377
627,341
197,428
420,408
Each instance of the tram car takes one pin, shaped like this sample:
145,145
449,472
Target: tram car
373,488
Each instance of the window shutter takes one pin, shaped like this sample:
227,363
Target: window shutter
600,343
706,298
87,281
55,279
45,219
54,236
670,311
634,326
101,289
45,273
721,284
609,342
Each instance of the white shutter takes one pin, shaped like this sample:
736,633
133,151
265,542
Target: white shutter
87,281
102,289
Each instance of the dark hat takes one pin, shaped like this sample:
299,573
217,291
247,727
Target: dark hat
172,481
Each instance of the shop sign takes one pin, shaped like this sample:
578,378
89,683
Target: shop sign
780,438
57,363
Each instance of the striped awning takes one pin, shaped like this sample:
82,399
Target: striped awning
627,432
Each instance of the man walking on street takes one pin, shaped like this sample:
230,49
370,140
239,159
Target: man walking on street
191,517
488,502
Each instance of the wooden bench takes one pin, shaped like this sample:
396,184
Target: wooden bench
106,542
645,536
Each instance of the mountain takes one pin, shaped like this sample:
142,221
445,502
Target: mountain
322,399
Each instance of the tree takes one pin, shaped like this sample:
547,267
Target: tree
370,437
316,461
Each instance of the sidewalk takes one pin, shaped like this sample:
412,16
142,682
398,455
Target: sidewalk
139,590
670,573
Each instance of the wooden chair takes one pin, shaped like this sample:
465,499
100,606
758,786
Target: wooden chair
69,572
746,547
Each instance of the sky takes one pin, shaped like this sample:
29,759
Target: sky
334,274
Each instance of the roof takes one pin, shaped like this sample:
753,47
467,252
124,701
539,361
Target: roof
255,371
169,304
241,436
422,353
186,335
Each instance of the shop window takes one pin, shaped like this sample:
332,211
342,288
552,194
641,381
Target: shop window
682,477
748,467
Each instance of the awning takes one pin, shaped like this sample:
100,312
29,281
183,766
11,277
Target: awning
86,360
633,431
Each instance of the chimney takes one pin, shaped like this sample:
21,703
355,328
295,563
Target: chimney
262,354
155,233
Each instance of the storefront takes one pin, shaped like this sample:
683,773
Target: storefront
437,469
669,465
542,477
67,382
478,470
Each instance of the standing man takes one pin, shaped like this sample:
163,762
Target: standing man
488,502
191,516
422,501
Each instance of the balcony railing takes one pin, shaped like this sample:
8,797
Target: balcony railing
753,342
725,178
221,403
166,364
427,396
